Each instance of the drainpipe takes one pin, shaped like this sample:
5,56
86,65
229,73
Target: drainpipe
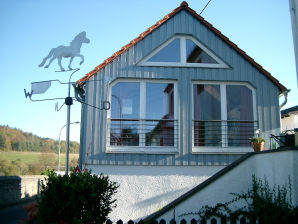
285,94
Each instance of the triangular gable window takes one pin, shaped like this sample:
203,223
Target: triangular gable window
195,54
170,53
183,51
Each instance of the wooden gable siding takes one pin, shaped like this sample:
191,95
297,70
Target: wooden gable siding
93,141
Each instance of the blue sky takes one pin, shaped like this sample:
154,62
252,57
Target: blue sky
30,28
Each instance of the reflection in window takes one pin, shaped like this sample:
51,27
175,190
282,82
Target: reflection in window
159,101
124,132
131,124
195,54
125,100
170,53
125,108
239,111
207,115
159,114
229,122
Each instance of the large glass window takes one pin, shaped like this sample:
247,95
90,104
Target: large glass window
142,114
223,115
182,50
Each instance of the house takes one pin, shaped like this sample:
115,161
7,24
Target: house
289,118
184,101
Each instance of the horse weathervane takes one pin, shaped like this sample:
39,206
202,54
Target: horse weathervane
71,51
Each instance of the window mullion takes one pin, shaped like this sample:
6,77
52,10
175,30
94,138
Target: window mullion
142,113
183,51
224,129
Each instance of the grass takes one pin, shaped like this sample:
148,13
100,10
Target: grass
35,157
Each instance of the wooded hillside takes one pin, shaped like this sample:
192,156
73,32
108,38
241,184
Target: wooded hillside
12,139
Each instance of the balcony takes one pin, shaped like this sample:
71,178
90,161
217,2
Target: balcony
142,135
223,134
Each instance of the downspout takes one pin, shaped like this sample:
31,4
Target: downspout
285,94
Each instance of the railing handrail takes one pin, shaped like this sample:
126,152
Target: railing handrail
240,121
140,119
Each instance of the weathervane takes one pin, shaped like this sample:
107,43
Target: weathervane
41,87
67,52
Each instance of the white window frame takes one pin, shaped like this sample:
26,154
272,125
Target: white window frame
183,61
223,149
142,148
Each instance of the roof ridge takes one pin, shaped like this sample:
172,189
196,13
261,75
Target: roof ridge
183,5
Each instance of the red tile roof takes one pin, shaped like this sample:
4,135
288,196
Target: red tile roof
183,6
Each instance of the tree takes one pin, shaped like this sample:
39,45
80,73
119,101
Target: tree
2,141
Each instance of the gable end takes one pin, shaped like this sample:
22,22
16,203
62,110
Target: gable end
183,6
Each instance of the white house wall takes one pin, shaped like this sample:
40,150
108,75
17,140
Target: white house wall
277,167
146,189
93,129
290,123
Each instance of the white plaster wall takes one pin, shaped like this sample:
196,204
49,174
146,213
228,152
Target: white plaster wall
146,189
277,167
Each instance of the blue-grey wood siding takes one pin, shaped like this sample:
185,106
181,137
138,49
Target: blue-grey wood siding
93,141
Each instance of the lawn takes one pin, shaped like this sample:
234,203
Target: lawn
35,157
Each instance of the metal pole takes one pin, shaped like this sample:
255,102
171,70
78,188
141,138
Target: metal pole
67,139
59,139
68,102
59,148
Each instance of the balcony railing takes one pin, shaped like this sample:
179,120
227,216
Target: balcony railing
149,132
141,132
223,133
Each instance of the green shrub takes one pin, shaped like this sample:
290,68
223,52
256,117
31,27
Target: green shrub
13,168
78,198
262,203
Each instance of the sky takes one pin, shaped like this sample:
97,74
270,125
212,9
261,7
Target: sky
31,28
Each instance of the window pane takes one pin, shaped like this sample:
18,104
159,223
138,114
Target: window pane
159,101
239,103
159,114
206,102
207,115
170,53
240,115
124,132
207,133
125,110
195,54
125,100
159,132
